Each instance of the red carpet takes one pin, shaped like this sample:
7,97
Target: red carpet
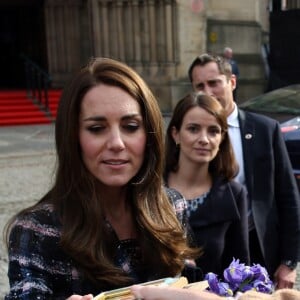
17,109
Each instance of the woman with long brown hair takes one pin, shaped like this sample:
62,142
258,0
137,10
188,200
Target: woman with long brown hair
200,164
107,222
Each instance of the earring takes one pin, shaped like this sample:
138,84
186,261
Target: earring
177,145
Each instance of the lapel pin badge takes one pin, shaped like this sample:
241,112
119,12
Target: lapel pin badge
248,136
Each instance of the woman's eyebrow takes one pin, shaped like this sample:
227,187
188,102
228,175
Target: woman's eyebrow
131,116
95,118
103,118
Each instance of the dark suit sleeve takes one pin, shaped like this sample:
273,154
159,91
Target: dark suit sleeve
236,244
272,189
287,200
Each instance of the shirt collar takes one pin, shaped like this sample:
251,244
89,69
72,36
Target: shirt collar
232,119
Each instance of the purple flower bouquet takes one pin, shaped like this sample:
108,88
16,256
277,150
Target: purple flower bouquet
240,278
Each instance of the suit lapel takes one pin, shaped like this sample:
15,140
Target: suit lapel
247,128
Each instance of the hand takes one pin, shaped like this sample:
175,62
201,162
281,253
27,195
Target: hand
77,297
170,293
285,277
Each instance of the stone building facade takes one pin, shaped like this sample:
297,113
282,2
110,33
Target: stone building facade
159,38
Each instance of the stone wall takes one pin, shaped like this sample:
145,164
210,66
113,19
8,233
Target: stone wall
159,38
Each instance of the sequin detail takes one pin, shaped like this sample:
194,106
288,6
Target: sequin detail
193,204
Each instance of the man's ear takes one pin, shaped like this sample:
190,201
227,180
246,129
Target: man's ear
233,81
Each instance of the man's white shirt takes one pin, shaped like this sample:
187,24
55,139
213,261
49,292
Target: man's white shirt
236,141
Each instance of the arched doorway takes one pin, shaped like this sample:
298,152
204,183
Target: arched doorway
22,31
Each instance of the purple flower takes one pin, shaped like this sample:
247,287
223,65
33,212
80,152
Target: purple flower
212,279
220,288
260,272
237,274
238,277
263,287
246,287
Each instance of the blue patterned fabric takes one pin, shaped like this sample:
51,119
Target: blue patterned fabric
193,204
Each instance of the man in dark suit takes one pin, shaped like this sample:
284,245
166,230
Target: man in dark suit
265,170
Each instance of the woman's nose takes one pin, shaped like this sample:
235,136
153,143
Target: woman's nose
115,141
202,138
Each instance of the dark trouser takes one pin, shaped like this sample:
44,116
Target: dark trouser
256,256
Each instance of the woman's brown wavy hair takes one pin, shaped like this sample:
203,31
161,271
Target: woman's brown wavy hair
224,164
85,236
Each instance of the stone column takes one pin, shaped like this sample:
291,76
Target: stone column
170,45
104,29
63,37
169,34
94,15
145,33
128,32
136,31
152,38
120,30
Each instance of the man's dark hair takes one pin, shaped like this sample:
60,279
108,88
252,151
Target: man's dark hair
203,59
